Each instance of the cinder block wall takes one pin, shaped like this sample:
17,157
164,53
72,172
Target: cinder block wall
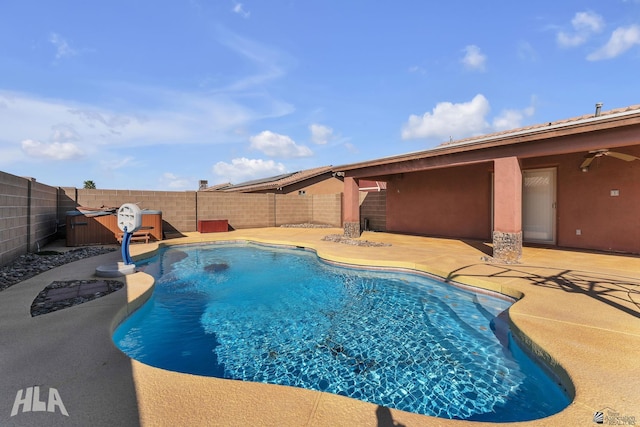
67,197
182,209
373,206
27,215
293,209
327,209
241,210
178,207
31,213
14,205
44,218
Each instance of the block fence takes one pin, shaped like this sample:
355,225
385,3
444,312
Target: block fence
32,214
181,210
28,215
373,208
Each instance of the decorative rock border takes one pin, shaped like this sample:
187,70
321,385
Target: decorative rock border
29,265
339,238
61,295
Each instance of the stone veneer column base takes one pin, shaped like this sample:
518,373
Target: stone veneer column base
351,229
507,247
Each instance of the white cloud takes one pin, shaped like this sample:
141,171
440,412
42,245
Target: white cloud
243,169
320,134
417,69
64,133
587,21
351,148
154,115
178,118
450,120
526,52
276,145
584,25
52,151
270,64
112,122
239,9
511,119
622,39
175,182
474,59
111,165
63,50
464,120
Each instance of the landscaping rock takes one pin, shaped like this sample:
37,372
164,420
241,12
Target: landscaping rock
32,264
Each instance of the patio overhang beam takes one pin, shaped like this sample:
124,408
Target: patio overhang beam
553,143
583,135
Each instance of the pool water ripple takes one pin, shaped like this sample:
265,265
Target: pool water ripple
394,339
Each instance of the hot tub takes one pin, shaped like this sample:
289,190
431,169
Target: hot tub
101,229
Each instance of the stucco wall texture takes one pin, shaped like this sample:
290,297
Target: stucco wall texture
585,201
456,202
452,202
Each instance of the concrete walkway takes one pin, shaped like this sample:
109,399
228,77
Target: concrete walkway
580,312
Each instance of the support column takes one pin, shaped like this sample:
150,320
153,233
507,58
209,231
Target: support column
351,207
507,210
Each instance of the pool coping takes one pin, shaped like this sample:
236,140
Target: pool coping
579,339
536,349
537,354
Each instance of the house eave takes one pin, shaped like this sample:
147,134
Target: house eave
518,136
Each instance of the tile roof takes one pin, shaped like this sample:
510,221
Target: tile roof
277,181
571,125
217,187
557,123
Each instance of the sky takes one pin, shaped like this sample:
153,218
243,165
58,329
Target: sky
157,95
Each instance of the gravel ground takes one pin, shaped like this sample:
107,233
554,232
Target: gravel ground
306,225
71,293
29,265
339,238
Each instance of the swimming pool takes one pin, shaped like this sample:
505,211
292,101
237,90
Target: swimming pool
283,316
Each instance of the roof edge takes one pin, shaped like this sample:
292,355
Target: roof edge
471,143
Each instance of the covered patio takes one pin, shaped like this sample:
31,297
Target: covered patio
572,183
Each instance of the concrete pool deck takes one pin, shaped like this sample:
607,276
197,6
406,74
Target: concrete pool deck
580,312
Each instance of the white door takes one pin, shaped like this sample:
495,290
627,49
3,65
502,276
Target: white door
538,205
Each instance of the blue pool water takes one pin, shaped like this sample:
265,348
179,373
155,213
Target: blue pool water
283,316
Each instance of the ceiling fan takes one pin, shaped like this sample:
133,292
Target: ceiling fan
605,152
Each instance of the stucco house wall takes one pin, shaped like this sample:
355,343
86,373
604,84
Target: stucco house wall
585,203
452,202
329,185
456,202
